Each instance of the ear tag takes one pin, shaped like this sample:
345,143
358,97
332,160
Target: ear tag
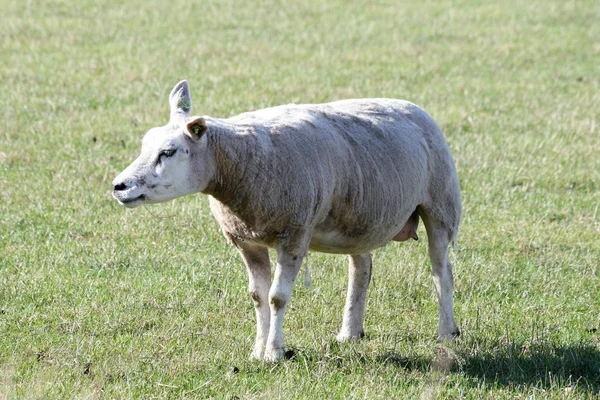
184,104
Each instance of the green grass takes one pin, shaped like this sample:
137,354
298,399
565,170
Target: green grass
97,301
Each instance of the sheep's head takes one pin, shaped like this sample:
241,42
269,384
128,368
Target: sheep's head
174,160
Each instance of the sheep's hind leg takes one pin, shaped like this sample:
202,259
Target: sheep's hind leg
290,253
359,277
441,270
257,263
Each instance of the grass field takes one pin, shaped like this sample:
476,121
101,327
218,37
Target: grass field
97,301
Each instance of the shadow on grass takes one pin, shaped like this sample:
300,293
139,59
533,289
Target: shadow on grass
575,368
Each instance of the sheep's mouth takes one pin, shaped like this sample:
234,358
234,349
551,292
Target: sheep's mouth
140,197
131,202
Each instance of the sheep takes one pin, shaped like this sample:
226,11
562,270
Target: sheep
345,177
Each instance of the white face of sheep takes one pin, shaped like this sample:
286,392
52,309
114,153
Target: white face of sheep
174,160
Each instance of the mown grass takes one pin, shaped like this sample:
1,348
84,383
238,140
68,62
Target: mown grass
101,302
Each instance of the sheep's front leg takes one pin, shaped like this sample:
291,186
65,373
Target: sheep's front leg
290,254
359,277
257,263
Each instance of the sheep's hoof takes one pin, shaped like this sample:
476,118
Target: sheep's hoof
258,352
449,337
257,355
274,354
347,336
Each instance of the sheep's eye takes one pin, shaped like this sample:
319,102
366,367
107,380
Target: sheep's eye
166,153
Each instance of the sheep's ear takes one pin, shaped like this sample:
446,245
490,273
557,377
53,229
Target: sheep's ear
196,128
180,100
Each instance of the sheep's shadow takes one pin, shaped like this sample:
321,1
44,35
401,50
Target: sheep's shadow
545,366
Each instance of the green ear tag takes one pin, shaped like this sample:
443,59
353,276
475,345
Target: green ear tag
196,129
183,104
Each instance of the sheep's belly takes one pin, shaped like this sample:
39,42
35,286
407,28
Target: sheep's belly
340,242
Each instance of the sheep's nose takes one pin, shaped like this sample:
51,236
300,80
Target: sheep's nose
119,186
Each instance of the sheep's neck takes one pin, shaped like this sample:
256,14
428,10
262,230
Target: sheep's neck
230,152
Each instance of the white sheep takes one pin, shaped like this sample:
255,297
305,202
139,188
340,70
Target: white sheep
345,177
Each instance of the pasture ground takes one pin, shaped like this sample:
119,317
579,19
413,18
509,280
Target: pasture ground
97,301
